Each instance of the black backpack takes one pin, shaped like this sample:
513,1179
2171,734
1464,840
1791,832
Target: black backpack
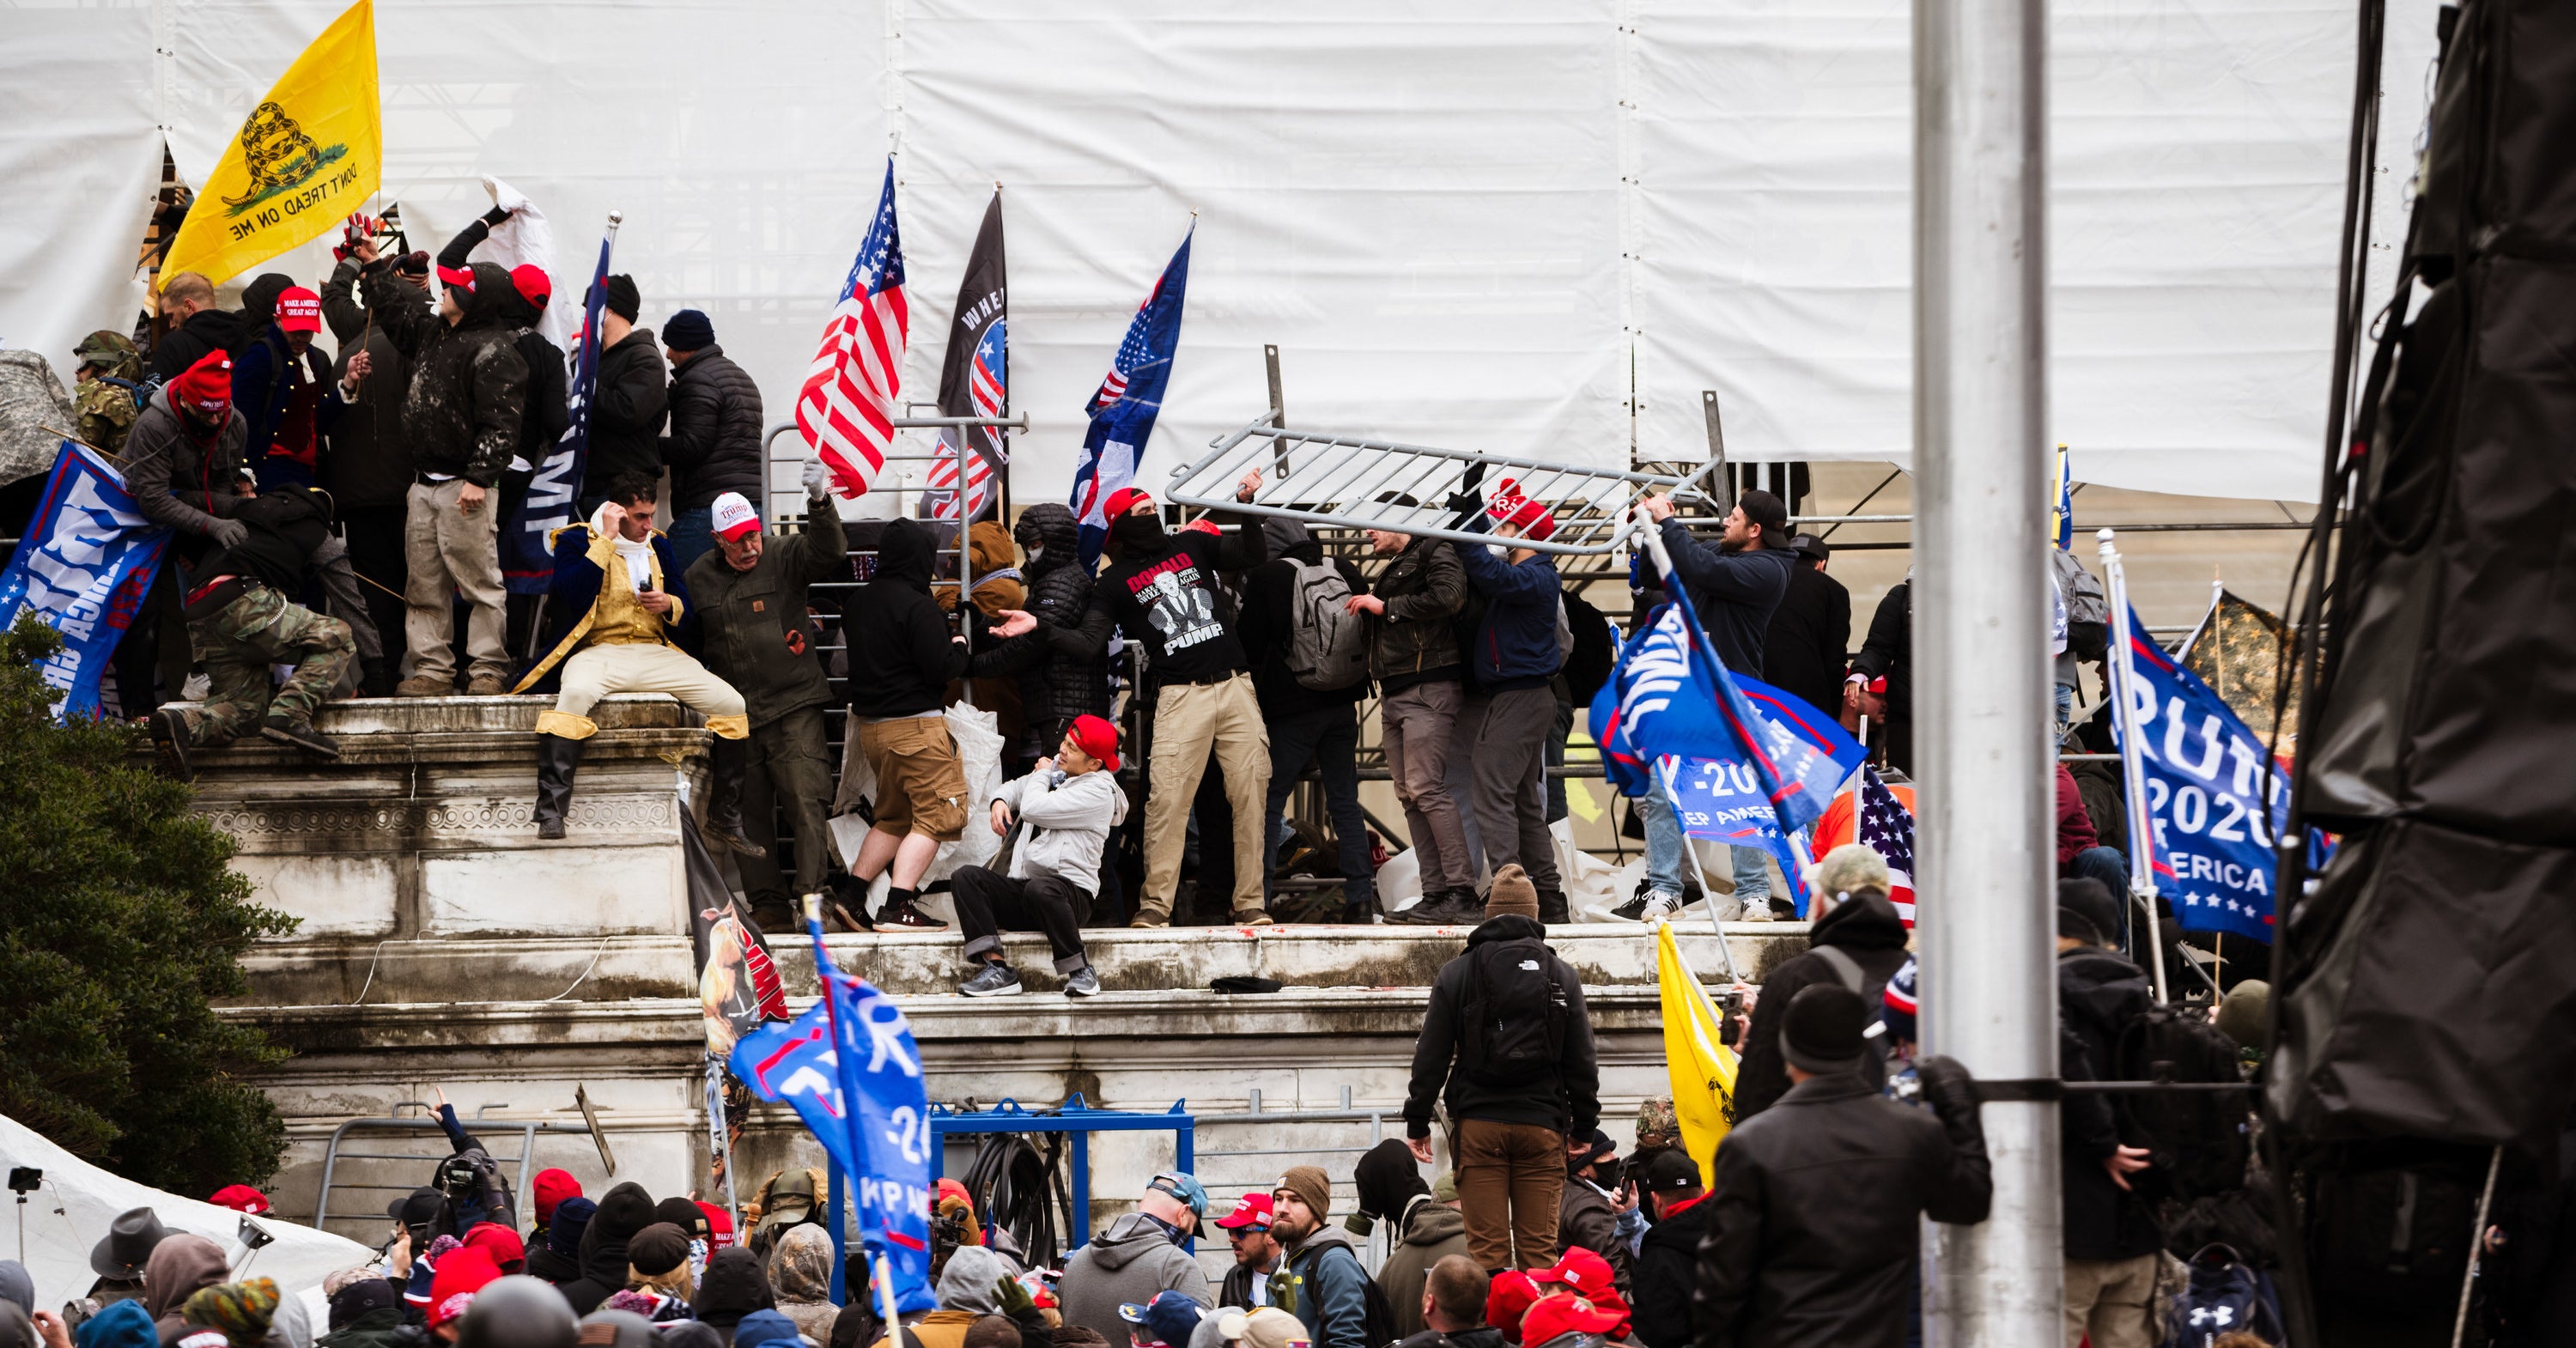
1377,1315
2200,1139
1512,1013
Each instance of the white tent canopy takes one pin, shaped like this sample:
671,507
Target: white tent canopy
1484,225
69,1213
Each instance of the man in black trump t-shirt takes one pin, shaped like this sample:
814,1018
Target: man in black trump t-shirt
1160,589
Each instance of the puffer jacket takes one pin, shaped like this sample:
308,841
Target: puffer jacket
627,413
1416,639
714,444
1054,687
177,479
467,406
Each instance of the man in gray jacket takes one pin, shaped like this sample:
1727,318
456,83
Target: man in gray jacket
1069,803
1140,1254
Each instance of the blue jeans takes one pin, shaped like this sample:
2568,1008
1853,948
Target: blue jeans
692,535
1666,853
1664,846
2065,708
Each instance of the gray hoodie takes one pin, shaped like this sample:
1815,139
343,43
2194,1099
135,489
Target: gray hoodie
1068,823
968,1281
1127,1265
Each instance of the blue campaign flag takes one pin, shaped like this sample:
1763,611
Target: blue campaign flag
1670,697
850,1068
85,565
1723,802
1122,411
2214,810
527,563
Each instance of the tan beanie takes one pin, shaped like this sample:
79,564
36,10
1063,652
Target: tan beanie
1512,892
1309,1183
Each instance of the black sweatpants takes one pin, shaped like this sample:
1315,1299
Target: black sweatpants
990,903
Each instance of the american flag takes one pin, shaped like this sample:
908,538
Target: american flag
989,383
1886,828
847,407
1123,409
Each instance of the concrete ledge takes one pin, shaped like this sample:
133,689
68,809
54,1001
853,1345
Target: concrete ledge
345,967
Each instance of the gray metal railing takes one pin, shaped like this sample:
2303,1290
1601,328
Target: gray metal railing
483,1127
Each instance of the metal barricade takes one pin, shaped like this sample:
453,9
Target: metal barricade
483,1127
1348,481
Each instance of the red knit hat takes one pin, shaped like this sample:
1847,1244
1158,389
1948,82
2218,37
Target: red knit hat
460,1274
1123,500
553,1187
1565,1313
299,310
1532,518
500,1242
207,386
240,1198
533,284
1098,738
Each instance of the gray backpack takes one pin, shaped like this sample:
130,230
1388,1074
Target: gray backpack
1328,645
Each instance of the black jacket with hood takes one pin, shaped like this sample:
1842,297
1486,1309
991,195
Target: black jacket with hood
1865,928
370,460
1161,589
467,406
1733,593
2098,994
547,414
1416,639
901,655
1054,687
206,331
1567,1099
714,444
623,1211
1815,1218
1665,1274
286,525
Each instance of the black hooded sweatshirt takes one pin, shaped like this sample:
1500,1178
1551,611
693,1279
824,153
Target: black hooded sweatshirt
207,330
1161,589
1567,1099
623,1211
1868,930
1054,687
2098,995
901,657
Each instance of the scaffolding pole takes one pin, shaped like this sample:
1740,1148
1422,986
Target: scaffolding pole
1981,611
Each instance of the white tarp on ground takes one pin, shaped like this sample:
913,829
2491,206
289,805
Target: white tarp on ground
1464,222
68,1215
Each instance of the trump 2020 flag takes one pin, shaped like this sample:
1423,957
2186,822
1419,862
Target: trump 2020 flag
850,1068
1670,697
85,566
847,406
527,563
975,376
1123,409
2213,810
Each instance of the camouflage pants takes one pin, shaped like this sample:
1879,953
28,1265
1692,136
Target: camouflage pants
240,642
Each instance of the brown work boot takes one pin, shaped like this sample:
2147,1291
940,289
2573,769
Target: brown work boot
487,685
425,685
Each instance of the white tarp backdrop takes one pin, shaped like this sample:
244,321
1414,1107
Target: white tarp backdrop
1465,224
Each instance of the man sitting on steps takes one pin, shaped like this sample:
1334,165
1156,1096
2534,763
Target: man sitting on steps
617,621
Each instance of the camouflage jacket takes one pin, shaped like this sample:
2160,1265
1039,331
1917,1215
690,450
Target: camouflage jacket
469,384
106,410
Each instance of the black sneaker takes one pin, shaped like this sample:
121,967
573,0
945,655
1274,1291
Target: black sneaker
900,914
1082,982
1634,909
1443,908
993,980
171,731
301,734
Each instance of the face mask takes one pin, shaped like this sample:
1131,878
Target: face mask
1137,533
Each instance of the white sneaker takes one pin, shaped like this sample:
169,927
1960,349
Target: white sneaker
1757,912
1661,906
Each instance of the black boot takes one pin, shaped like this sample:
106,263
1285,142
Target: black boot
1551,907
376,677
558,759
725,762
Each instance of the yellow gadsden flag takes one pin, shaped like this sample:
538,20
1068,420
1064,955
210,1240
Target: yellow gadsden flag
309,154
1702,1067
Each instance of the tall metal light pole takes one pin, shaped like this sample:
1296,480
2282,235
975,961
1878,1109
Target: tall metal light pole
1981,684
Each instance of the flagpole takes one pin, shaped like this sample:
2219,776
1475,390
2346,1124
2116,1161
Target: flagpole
2124,711
1663,780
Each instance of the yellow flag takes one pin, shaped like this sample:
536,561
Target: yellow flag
1702,1067
309,154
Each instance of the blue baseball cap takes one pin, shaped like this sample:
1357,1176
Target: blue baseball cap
1184,1186
1168,1320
